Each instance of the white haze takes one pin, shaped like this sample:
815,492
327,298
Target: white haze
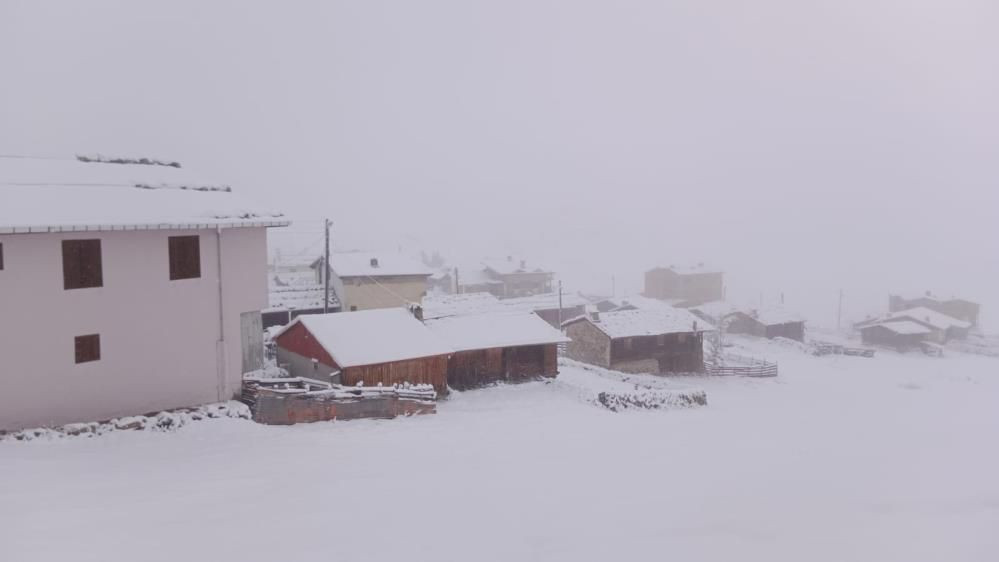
803,146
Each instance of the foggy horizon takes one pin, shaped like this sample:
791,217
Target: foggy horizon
803,150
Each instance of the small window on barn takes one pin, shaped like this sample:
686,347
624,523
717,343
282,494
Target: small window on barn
81,264
185,257
353,309
88,348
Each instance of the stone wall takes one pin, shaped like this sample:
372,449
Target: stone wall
588,344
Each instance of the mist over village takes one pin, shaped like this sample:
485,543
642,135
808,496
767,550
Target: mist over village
541,280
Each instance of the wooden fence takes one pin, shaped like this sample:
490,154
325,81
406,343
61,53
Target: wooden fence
741,366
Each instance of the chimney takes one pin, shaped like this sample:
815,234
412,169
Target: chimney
374,262
417,311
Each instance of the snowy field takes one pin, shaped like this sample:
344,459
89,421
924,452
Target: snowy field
894,458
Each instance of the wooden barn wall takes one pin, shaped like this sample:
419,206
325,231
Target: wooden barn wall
425,370
675,353
299,340
475,368
792,330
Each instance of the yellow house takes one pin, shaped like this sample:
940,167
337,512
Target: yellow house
368,280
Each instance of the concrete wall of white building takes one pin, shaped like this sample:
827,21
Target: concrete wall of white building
159,338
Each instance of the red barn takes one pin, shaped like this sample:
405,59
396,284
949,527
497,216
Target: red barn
387,346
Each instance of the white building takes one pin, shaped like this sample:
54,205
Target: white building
125,288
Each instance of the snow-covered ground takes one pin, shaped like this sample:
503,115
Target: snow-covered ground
838,458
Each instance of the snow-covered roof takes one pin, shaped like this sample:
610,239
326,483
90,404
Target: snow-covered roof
903,327
476,276
67,194
716,309
299,297
490,330
370,337
645,322
930,317
439,306
693,269
774,316
376,264
544,301
511,265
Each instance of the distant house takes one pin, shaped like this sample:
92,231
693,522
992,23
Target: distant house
547,306
942,328
505,278
639,341
773,322
495,347
387,346
369,280
714,311
688,286
960,309
902,335
128,287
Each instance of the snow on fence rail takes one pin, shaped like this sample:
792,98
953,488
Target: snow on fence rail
741,366
286,401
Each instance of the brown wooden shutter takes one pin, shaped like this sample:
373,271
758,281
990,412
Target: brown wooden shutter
81,264
88,348
185,257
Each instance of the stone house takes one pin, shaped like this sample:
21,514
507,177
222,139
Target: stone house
639,340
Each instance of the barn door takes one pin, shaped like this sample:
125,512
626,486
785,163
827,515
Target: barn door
251,336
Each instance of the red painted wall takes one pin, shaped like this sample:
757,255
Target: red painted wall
299,340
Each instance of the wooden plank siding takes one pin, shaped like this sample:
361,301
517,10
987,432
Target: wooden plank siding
424,370
480,367
675,353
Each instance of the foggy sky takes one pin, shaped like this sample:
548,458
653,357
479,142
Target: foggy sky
802,146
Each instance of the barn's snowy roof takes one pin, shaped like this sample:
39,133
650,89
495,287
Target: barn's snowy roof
903,327
928,316
370,337
645,322
376,264
490,330
439,306
68,194
511,265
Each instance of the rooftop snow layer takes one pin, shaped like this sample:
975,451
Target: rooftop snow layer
693,269
904,327
491,330
58,194
369,337
716,309
510,266
376,264
775,315
439,306
647,322
930,317
545,301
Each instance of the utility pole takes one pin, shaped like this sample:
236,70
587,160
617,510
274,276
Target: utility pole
839,312
326,269
613,286
560,305
457,282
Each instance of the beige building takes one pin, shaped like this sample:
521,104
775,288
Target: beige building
369,280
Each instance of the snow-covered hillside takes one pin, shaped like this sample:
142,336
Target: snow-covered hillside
838,458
